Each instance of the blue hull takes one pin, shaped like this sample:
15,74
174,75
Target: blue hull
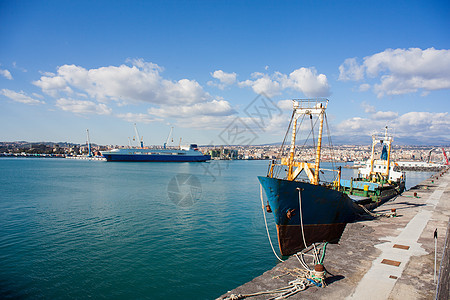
324,212
156,158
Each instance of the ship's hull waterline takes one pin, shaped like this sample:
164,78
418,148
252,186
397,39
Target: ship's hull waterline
324,212
156,158
182,154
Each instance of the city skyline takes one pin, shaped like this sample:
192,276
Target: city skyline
202,66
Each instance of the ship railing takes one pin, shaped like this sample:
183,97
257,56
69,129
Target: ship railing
278,163
311,103
336,182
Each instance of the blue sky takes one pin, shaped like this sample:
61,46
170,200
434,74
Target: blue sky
198,66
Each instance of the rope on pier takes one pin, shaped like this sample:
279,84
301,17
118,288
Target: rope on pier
387,215
304,277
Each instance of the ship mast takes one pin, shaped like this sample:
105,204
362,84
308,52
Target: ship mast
301,108
387,140
372,155
319,146
292,149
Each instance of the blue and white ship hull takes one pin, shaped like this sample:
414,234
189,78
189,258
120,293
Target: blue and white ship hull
191,154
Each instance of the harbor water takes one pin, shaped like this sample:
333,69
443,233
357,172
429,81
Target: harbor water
79,229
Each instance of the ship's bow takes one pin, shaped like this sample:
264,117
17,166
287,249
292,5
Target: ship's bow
306,213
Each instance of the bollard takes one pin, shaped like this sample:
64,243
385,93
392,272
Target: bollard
435,253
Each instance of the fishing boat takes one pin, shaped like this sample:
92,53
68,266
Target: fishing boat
306,207
378,180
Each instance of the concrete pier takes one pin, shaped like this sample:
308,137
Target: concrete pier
384,258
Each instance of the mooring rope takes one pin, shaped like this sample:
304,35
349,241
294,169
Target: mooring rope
377,215
265,222
304,278
301,214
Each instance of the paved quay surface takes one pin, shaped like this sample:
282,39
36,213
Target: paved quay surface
384,258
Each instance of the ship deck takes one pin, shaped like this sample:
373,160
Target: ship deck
384,258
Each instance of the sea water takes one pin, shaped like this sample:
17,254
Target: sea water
93,229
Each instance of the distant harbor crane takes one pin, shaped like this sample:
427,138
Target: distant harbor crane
445,157
88,142
140,139
168,138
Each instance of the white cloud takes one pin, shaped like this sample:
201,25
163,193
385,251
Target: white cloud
419,126
354,124
53,85
140,82
226,130
5,73
285,105
278,123
384,115
20,97
212,108
350,70
402,71
137,118
263,85
203,122
309,83
38,95
225,79
378,115
364,87
425,122
305,80
368,108
83,107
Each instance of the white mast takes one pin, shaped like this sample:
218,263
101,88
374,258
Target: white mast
386,140
88,143
168,137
